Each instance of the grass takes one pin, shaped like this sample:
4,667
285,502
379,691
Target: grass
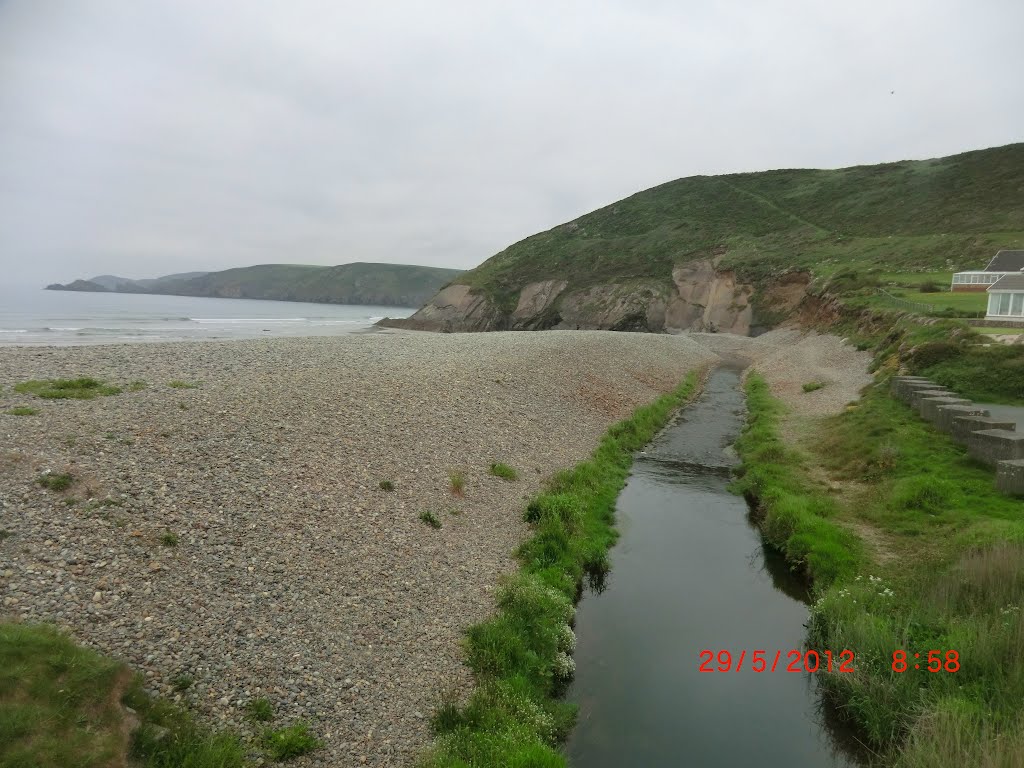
182,683
83,388
21,410
60,706
457,482
260,710
55,481
290,742
997,331
386,485
137,386
520,657
813,386
169,539
504,471
944,570
179,384
430,518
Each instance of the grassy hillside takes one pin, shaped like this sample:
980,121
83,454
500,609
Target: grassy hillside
934,214
359,283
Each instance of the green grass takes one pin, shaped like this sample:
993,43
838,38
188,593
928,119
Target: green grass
813,386
520,657
997,331
83,388
457,482
55,481
430,518
60,706
22,410
260,710
182,683
386,485
504,471
179,384
137,386
945,570
290,742
169,539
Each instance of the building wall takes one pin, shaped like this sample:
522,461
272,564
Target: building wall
968,287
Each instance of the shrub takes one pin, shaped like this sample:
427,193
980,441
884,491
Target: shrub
812,386
929,286
386,485
932,353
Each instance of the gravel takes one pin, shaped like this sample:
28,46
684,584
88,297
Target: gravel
236,532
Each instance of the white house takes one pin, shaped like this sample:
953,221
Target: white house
1003,263
1006,298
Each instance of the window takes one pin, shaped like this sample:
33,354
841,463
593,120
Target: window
1017,305
1004,303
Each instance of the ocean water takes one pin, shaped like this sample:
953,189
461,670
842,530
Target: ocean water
31,316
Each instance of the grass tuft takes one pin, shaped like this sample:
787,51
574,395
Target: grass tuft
504,471
169,539
457,482
55,481
290,742
83,388
431,519
22,410
260,710
813,386
386,485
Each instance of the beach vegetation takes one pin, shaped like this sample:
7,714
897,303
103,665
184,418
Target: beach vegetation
137,386
5,534
386,485
55,481
83,388
169,539
291,741
260,710
183,406
921,552
182,682
22,410
504,471
179,384
457,482
61,705
813,386
430,518
520,656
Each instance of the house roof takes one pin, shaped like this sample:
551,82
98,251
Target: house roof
1009,283
1006,261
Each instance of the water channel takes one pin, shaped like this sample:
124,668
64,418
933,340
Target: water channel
691,573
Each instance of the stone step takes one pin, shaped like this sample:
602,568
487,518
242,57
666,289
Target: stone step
1010,476
946,414
929,406
994,445
963,426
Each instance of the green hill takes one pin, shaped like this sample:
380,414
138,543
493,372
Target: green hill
359,283
907,216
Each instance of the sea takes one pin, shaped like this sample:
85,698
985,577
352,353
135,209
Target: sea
33,316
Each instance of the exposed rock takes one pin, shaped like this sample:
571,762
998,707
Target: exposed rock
455,308
535,302
613,307
708,300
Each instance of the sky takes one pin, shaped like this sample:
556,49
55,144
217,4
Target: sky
144,138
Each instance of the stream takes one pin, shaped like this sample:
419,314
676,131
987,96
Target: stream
691,573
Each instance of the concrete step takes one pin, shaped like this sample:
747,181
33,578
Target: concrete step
994,445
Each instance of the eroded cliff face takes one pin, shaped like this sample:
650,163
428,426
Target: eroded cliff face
702,297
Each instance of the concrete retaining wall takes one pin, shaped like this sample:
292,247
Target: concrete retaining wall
963,426
929,406
946,414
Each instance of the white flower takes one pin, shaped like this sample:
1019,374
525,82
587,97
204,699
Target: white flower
566,639
564,665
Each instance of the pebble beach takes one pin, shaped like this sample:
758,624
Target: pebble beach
233,533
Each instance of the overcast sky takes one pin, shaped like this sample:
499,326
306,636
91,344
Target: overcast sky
141,137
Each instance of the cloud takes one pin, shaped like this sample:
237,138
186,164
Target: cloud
144,138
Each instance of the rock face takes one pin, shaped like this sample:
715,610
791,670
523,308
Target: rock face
700,297
454,308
